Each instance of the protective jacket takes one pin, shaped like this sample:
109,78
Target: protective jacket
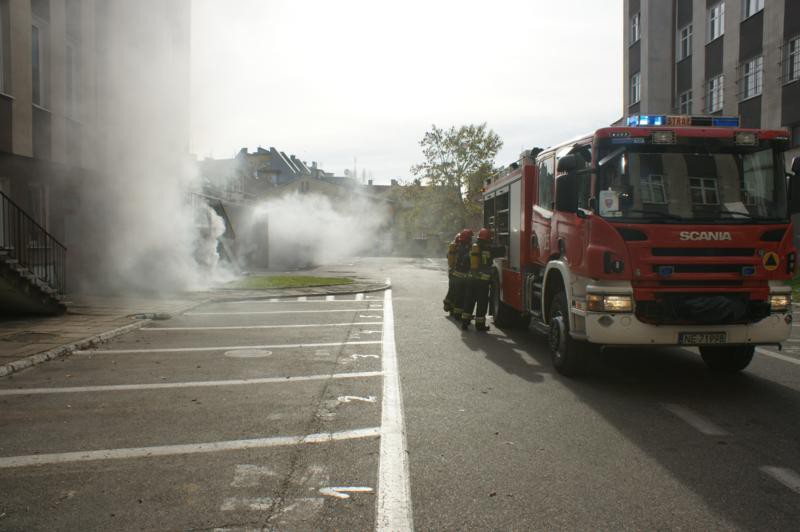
462,266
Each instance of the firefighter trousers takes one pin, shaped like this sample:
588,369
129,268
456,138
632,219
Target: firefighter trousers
448,299
459,288
476,298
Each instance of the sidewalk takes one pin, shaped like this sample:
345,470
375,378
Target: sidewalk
91,320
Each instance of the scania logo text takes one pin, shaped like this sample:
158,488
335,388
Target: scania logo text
705,235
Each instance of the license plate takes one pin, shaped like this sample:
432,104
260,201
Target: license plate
701,338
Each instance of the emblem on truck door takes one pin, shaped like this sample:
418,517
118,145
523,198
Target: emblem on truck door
705,235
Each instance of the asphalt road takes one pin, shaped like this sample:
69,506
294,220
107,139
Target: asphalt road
289,414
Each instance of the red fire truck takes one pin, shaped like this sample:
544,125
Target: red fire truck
670,230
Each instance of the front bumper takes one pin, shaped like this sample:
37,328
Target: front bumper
626,329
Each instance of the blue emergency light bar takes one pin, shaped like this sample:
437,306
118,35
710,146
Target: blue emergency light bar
682,121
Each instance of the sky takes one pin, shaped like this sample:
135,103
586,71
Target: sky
358,82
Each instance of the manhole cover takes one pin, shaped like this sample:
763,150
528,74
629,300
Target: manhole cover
248,353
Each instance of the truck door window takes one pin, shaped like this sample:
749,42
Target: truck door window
544,197
501,218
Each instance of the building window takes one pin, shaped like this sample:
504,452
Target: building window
73,77
714,95
684,42
685,103
636,30
5,61
703,191
38,63
716,21
793,59
752,77
751,7
652,189
635,88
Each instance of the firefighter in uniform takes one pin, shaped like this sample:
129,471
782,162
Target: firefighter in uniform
461,272
477,292
452,248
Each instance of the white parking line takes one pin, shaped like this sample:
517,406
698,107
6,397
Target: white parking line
696,420
359,297
190,384
189,448
235,327
221,348
785,476
317,311
302,298
393,510
772,354
330,298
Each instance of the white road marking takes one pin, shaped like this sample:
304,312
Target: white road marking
341,492
274,300
190,448
251,476
254,313
351,398
282,301
359,297
696,420
364,316
357,356
262,504
330,298
302,298
368,331
248,353
236,327
221,348
785,476
393,510
778,356
190,384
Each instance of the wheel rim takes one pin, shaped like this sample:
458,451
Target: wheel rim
556,336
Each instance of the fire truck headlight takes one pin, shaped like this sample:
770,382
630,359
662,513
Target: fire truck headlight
780,302
605,303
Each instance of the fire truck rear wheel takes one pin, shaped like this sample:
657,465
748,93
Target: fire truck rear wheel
567,354
504,316
728,359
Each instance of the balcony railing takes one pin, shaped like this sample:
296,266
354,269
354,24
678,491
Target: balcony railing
31,246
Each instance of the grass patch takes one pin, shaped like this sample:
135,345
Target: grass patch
261,282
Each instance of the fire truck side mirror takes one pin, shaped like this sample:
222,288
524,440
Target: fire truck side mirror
567,164
796,166
567,193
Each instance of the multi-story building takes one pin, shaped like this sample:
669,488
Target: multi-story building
86,87
729,57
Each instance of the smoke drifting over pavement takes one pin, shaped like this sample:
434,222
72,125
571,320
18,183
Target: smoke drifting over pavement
307,229
136,229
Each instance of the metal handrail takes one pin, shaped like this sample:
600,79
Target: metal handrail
24,240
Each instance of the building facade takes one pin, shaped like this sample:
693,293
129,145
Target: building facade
87,88
707,57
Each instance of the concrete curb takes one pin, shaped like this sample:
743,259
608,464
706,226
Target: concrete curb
68,349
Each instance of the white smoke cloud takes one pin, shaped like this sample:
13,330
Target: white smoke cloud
308,229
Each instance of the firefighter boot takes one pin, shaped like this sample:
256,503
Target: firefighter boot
480,324
465,320
448,307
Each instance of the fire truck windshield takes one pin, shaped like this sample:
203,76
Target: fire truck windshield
679,184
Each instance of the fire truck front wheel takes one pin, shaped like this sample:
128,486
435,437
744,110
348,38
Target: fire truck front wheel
567,353
728,359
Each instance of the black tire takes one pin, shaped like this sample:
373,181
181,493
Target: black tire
728,359
568,355
505,317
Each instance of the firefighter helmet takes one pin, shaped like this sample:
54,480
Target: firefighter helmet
485,234
466,235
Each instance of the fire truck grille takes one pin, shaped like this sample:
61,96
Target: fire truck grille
703,268
703,252
701,309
